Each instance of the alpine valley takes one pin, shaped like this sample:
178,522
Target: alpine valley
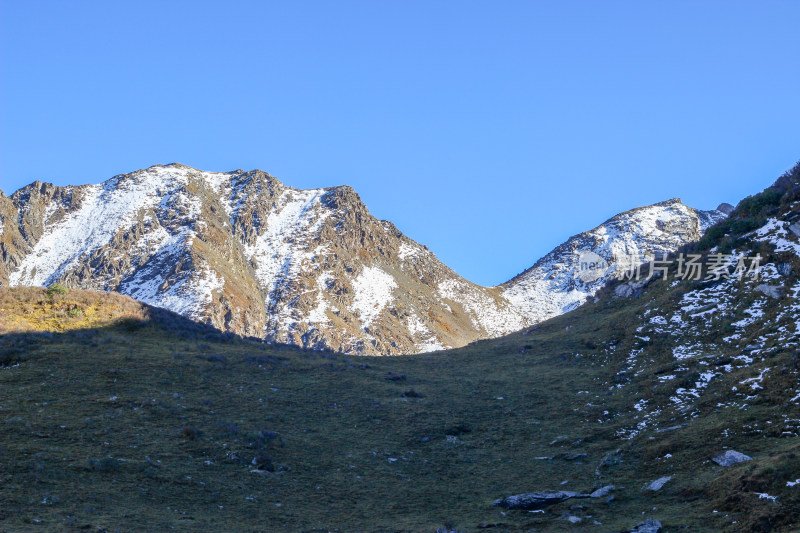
247,254
659,405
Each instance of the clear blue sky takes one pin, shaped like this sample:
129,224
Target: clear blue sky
490,131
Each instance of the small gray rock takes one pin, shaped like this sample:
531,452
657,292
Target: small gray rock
703,309
623,291
731,457
611,459
649,526
602,492
795,228
671,428
770,290
657,484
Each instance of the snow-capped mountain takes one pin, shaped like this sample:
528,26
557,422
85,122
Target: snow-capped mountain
558,283
245,253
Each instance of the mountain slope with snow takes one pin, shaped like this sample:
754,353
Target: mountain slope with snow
557,283
245,253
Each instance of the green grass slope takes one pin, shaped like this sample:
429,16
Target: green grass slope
151,423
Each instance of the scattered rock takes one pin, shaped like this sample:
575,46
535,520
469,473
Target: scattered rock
703,309
633,289
795,228
538,500
535,500
657,484
731,457
394,376
770,290
784,269
753,347
411,393
649,526
576,456
671,428
602,492
611,459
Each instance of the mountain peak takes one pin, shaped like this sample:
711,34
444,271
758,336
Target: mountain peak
725,208
671,201
555,284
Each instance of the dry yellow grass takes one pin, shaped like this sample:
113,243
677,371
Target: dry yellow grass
31,309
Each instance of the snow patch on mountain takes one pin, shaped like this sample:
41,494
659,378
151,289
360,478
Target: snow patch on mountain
189,296
277,252
407,251
318,315
373,291
428,342
776,232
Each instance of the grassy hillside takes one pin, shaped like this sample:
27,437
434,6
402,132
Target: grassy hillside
151,423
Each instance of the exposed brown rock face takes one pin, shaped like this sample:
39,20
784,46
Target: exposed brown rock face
245,253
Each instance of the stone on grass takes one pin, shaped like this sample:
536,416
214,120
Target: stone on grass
602,492
648,526
538,500
672,428
535,500
657,484
730,458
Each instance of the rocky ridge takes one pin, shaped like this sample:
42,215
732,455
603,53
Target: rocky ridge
245,253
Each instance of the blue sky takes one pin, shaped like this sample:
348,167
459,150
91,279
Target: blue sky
490,131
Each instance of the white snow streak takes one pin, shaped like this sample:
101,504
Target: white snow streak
373,291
